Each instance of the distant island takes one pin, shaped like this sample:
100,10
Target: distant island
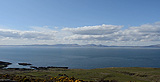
87,45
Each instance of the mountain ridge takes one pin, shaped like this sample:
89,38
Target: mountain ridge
77,45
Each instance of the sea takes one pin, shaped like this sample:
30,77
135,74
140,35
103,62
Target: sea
80,57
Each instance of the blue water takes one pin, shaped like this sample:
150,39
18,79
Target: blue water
85,58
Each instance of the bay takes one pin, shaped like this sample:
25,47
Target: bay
81,57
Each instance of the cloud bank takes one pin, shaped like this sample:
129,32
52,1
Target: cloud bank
15,34
99,34
146,32
94,30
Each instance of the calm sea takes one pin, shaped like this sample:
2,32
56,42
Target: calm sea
85,58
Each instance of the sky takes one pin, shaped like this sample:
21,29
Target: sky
107,22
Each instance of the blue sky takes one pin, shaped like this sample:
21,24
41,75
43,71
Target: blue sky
62,15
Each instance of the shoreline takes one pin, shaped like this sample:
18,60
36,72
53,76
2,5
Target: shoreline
109,74
4,65
29,66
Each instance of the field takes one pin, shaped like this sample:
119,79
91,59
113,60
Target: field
123,74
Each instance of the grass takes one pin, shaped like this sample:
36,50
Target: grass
121,74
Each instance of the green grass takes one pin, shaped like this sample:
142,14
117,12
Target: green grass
121,74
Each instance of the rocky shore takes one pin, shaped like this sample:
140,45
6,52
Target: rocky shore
4,64
57,74
24,64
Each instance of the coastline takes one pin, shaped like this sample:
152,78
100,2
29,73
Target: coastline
4,64
115,74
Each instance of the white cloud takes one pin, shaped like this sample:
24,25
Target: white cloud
146,32
16,34
92,37
101,34
42,29
94,30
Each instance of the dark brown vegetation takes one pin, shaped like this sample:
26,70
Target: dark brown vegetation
130,74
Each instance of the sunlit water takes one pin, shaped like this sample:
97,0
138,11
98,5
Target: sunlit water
85,58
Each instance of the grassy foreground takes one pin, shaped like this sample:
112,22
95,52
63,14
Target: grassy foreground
120,74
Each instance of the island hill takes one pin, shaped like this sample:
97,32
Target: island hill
87,45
